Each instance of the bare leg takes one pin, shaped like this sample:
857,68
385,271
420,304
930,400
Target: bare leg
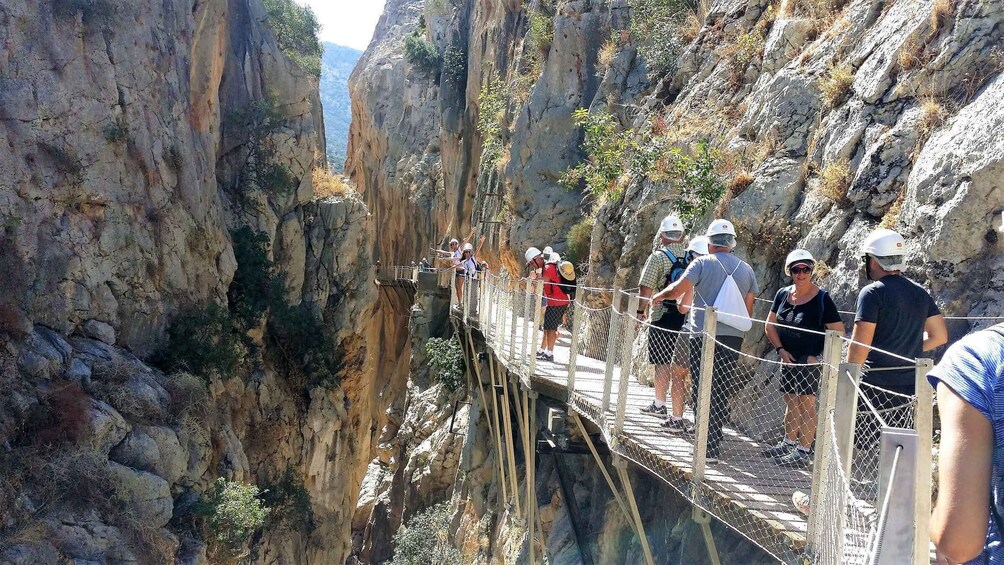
791,417
460,290
678,375
807,427
661,383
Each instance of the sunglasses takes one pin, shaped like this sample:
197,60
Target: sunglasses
801,270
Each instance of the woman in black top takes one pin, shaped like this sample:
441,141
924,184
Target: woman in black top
801,306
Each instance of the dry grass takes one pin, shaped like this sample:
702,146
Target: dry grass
933,115
834,180
606,55
109,380
739,183
188,396
941,11
690,28
330,185
910,55
836,85
891,216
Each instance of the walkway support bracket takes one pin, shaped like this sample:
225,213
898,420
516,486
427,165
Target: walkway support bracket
621,465
703,519
603,470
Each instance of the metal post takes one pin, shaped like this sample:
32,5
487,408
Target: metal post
531,431
844,419
627,353
608,373
573,350
453,289
498,431
528,474
822,460
537,315
621,465
513,322
510,444
466,297
527,320
924,423
603,469
704,400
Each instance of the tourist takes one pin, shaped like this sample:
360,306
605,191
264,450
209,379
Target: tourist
568,285
893,315
557,303
722,280
798,316
666,350
425,266
967,519
534,262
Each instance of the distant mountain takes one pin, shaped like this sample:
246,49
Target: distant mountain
336,65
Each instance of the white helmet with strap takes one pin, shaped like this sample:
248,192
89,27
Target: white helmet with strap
887,247
469,247
531,254
699,245
797,256
671,223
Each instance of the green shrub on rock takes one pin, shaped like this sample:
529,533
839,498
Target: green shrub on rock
234,512
425,538
447,359
295,28
203,340
421,54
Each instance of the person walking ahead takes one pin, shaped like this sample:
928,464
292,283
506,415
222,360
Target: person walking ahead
799,313
722,280
557,302
666,265
893,314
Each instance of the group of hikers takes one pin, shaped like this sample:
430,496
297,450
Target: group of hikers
559,291
895,319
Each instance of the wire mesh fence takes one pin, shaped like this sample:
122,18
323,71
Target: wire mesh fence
745,444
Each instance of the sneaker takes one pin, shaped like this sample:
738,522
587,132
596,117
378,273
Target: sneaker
780,450
677,425
796,458
654,410
801,501
548,357
541,354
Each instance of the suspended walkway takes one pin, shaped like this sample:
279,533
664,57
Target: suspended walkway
869,481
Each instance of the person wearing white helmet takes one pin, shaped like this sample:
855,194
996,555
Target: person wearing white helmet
893,315
665,265
555,302
722,280
548,252
797,316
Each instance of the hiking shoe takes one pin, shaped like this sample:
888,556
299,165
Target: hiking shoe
677,426
654,410
541,354
780,450
801,501
796,459
548,357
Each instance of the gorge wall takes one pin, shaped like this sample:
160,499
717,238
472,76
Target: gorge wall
823,120
158,209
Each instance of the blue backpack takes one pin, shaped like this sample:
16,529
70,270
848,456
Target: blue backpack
676,271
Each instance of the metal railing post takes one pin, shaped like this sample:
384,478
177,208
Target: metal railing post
703,408
537,315
466,297
524,360
924,424
608,374
573,349
822,460
453,289
626,356
513,300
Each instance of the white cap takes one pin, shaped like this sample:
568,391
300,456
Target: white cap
797,256
469,247
531,254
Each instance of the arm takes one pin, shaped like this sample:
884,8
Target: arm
961,514
862,337
937,332
686,301
775,338
644,293
750,298
481,243
674,291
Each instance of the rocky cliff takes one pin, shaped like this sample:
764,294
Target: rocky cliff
178,305
808,123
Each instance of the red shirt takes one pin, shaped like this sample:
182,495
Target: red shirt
555,294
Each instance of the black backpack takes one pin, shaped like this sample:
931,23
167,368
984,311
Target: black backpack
676,271
569,286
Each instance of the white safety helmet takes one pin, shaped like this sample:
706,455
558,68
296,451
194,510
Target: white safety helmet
554,258
797,256
468,247
454,242
720,227
531,254
698,245
671,223
887,247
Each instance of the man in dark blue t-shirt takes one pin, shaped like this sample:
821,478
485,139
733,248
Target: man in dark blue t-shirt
893,315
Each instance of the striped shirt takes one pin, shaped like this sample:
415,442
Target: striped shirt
653,275
974,368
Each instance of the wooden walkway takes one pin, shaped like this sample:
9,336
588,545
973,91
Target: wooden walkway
749,493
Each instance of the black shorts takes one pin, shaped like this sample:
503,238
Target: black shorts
552,317
802,380
664,345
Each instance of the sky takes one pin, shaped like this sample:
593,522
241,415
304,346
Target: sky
347,22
